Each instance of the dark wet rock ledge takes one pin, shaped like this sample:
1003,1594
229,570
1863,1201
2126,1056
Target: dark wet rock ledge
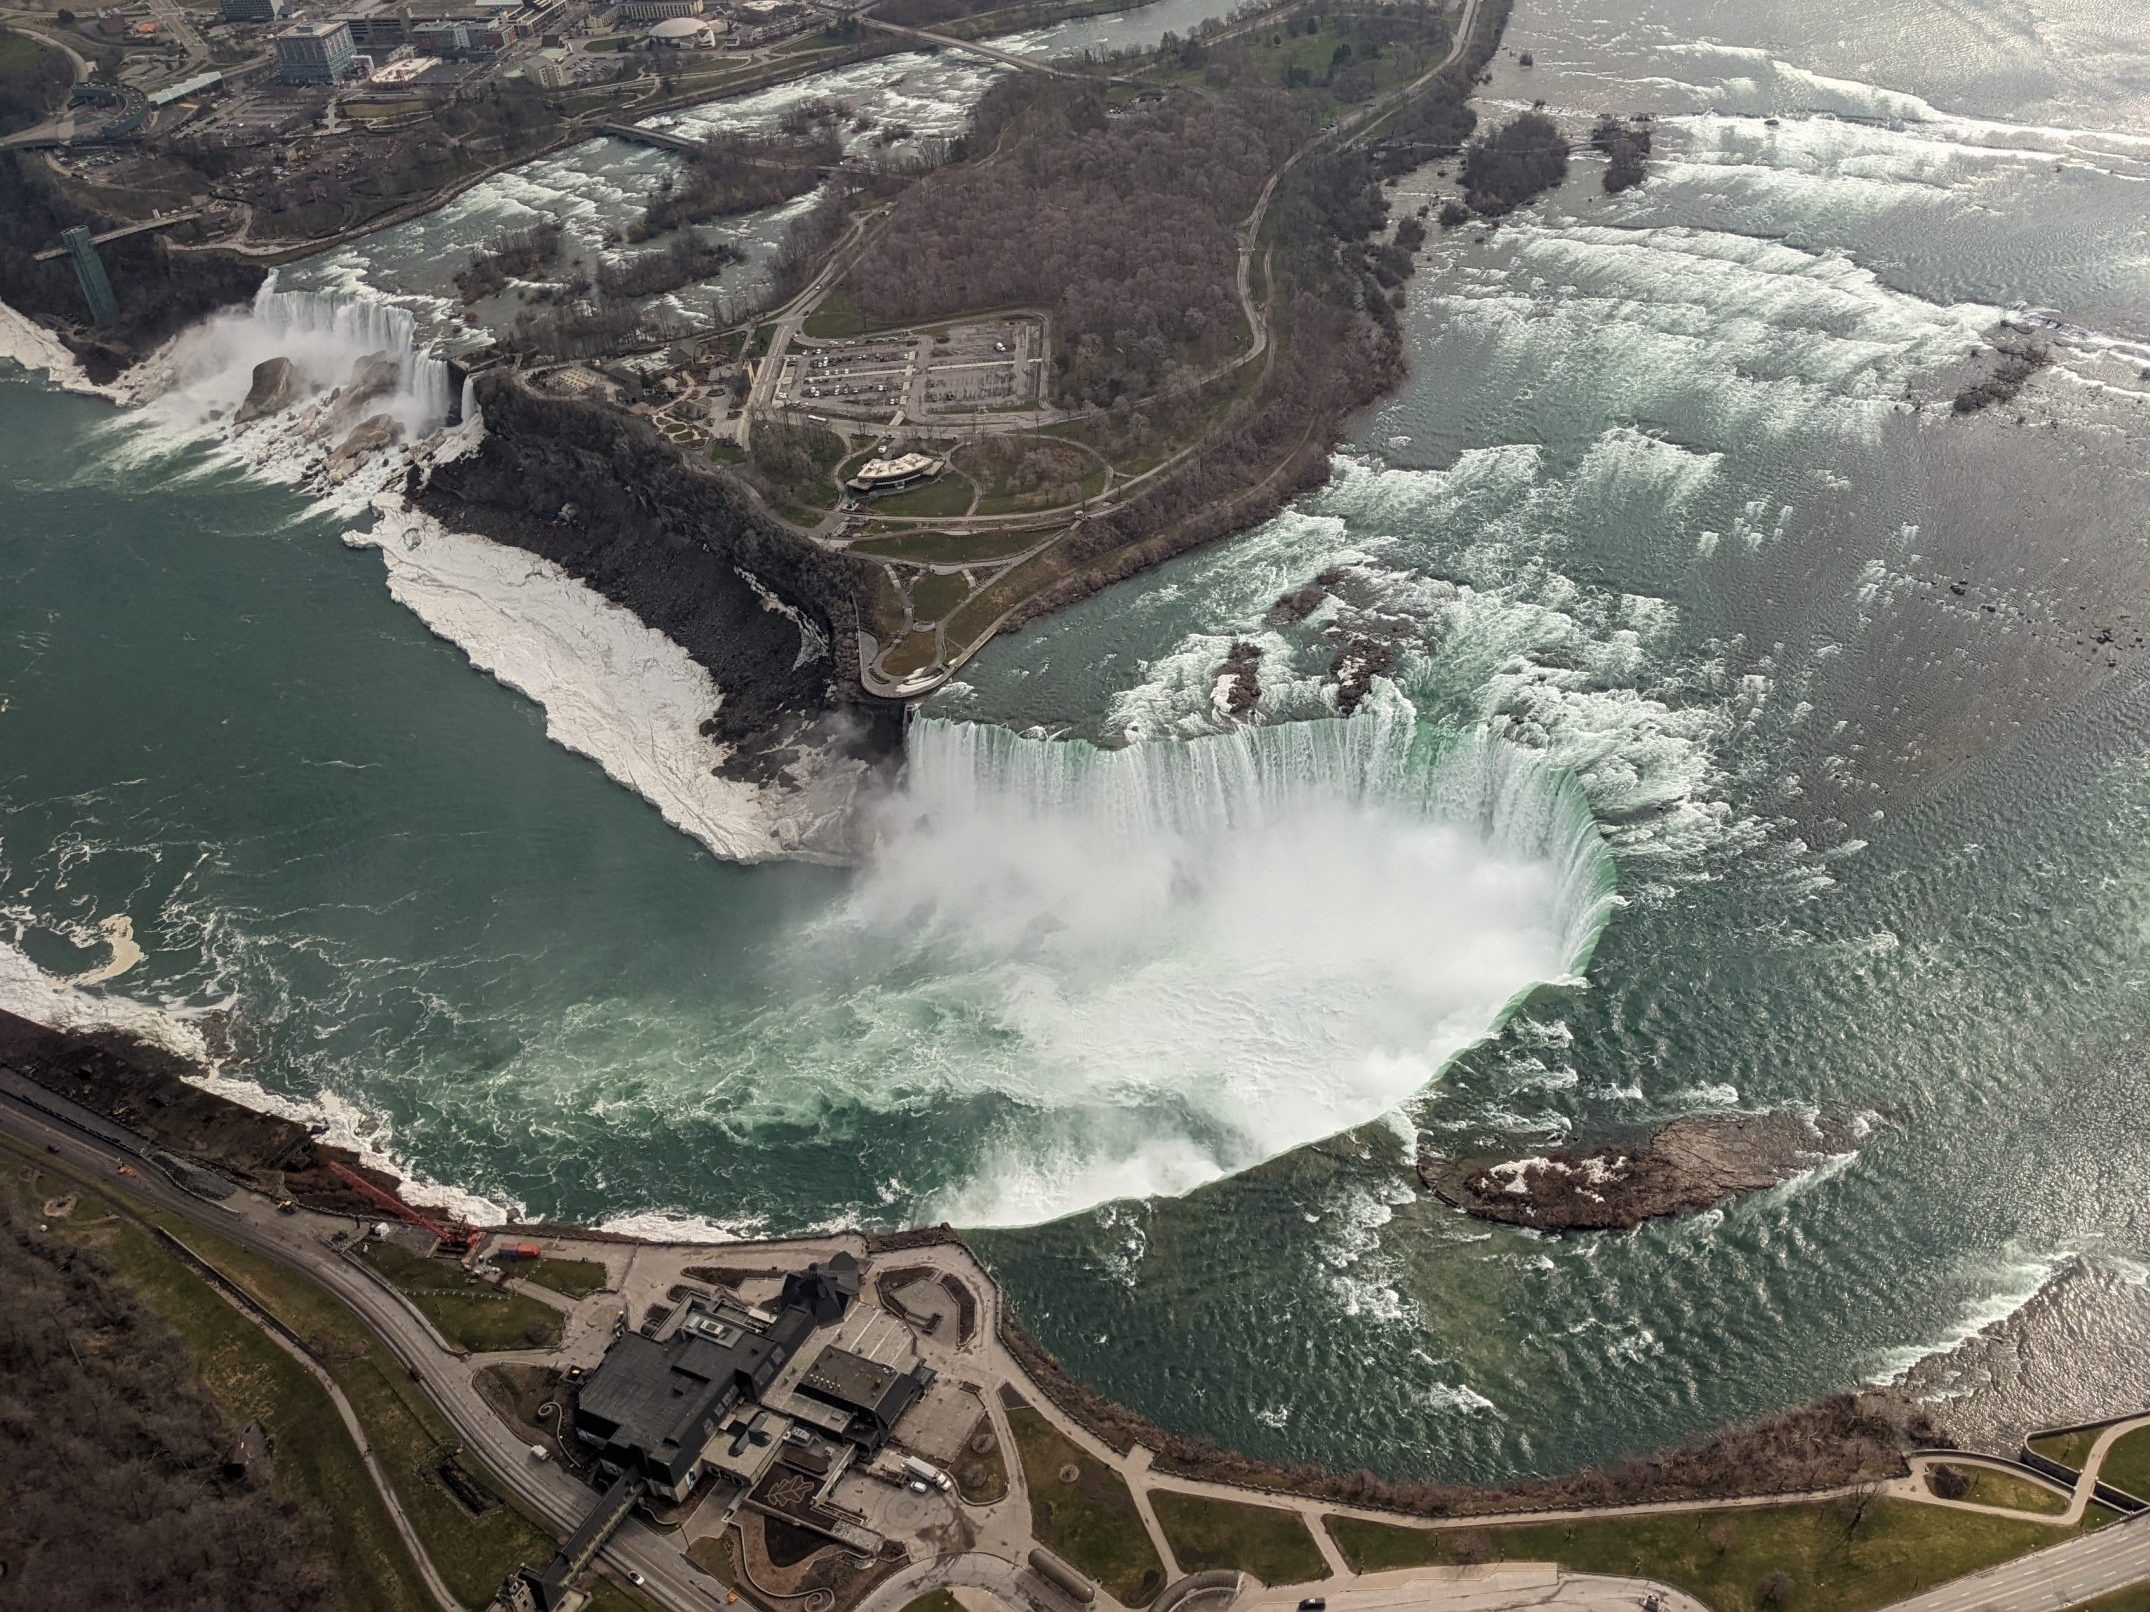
1689,1164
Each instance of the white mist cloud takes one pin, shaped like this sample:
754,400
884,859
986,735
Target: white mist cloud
1179,959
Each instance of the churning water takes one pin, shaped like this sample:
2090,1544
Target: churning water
1773,734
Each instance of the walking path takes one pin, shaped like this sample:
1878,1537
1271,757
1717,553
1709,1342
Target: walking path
2081,1567
233,1295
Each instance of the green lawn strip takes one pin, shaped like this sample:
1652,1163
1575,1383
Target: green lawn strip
251,1379
1271,1544
1091,1520
577,1278
608,1596
2069,1449
945,548
34,81
838,316
980,1472
1899,1548
950,495
713,1555
1991,1488
2126,1466
2135,1598
935,593
913,653
934,1601
471,1314
410,1439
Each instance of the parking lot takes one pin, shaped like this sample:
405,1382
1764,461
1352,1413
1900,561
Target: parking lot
869,377
984,368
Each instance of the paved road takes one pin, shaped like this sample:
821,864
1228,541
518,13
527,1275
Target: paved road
180,27
299,1243
2086,1567
357,1429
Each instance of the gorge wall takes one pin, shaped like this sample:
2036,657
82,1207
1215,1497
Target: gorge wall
767,613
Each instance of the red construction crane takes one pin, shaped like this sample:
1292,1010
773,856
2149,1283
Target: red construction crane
453,1238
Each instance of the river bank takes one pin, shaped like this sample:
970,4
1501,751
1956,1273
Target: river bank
155,1097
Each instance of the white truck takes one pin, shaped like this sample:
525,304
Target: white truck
926,1472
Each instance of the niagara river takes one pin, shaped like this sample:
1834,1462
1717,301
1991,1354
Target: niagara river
1752,730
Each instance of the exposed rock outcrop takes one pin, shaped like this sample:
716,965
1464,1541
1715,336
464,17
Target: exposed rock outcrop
1689,1164
1356,666
149,1091
374,376
366,439
275,388
1239,681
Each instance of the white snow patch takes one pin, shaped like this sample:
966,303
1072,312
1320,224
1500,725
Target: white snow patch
613,689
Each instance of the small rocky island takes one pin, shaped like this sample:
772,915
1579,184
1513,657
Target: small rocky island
1689,1164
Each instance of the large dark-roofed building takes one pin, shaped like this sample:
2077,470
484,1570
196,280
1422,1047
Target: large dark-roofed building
655,1405
653,1408
874,1395
824,1290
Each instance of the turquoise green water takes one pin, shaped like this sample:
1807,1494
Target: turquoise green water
1657,549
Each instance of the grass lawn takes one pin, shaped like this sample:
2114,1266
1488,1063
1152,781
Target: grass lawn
2127,1464
950,495
2069,1449
714,1557
577,1278
913,653
1082,1510
944,548
981,1474
2135,1598
34,81
1271,1544
470,1314
935,593
608,1596
1990,1488
726,451
1900,1548
837,316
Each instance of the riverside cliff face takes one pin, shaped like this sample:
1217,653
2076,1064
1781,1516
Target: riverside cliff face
767,613
160,289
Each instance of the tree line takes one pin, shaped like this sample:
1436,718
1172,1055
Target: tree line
1123,227
119,1488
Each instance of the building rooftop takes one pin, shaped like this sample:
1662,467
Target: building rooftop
849,1379
661,1400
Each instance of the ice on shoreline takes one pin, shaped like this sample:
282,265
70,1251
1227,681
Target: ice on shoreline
613,688
62,1004
26,342
28,992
